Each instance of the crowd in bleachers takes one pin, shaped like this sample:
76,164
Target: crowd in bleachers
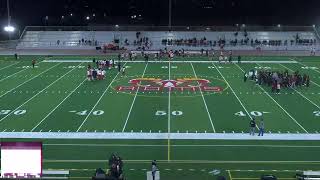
142,42
238,40
187,42
88,42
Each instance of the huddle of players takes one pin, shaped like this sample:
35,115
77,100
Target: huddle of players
95,73
278,79
99,72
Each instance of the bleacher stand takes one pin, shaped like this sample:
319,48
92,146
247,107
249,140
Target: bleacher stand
155,40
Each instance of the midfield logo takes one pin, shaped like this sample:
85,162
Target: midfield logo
184,84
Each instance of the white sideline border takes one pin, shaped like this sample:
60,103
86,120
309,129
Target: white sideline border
160,136
251,62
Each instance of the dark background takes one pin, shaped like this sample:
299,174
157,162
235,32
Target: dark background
155,12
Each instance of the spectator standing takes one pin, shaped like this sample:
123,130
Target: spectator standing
33,63
154,169
261,128
252,126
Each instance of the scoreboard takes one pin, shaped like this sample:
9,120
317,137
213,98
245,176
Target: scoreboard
21,159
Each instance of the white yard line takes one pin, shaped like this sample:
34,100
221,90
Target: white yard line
58,105
169,115
169,103
232,91
37,93
204,101
134,99
9,65
277,103
14,74
299,91
28,80
105,91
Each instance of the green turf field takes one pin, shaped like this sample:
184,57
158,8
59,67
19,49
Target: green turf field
152,111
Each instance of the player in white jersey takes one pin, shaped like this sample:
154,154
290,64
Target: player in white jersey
220,59
89,74
111,64
226,59
103,73
99,73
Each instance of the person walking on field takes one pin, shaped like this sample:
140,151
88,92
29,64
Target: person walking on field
252,126
33,63
261,128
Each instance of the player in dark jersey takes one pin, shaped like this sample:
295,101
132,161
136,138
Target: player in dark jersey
33,63
239,59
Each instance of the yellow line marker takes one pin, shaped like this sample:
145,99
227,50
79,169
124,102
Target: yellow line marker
230,175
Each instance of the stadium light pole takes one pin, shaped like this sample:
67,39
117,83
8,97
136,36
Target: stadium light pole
170,14
9,28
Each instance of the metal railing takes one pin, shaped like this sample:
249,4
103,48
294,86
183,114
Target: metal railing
166,28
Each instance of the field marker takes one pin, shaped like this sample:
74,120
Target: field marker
35,95
169,110
134,100
300,92
9,65
303,64
277,103
85,120
58,105
204,101
233,92
13,74
29,80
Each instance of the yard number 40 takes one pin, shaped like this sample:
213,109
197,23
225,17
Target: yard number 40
316,113
253,113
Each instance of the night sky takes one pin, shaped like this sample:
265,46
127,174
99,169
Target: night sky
155,12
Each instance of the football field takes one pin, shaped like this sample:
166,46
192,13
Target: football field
191,114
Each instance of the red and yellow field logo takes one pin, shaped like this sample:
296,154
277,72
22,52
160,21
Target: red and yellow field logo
183,84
